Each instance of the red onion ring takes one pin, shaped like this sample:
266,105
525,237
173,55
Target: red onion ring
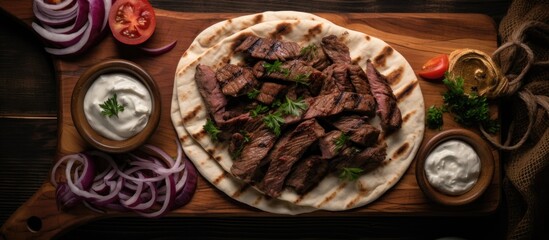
161,50
151,184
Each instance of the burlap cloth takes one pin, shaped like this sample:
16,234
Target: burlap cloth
523,56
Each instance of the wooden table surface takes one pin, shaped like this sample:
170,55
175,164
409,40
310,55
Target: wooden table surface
29,138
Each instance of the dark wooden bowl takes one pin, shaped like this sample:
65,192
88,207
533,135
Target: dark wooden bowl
77,102
486,167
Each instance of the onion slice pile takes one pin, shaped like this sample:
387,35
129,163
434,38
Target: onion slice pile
149,182
72,26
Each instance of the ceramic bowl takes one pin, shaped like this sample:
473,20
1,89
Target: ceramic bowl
486,167
77,105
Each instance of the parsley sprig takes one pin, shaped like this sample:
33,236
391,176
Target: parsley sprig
290,107
350,174
276,66
302,78
259,109
341,141
111,107
252,94
274,121
434,117
211,129
469,110
309,52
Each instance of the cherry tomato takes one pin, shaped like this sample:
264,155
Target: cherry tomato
435,67
132,21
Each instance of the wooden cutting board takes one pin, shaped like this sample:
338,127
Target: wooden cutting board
417,37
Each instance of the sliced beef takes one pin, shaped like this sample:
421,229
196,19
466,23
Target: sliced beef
335,103
387,108
210,90
269,91
337,51
328,144
246,165
314,56
235,80
304,135
291,71
357,129
269,48
367,159
336,79
236,144
358,79
307,174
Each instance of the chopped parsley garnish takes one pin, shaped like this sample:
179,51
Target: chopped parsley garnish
434,117
276,66
111,107
253,93
302,78
211,129
309,52
290,107
273,121
468,110
341,141
350,174
259,109
246,139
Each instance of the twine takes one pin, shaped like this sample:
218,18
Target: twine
515,83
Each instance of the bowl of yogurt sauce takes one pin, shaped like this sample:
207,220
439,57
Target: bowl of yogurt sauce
115,106
455,167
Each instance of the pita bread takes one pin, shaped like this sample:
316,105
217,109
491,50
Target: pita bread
332,193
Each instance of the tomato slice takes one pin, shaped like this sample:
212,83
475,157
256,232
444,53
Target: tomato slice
435,67
132,21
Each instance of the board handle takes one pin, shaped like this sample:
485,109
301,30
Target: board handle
39,218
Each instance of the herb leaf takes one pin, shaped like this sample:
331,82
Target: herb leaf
290,107
276,66
302,78
111,107
309,52
211,129
259,109
434,117
350,174
253,93
273,121
341,141
469,110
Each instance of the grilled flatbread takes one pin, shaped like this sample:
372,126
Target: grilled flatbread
213,159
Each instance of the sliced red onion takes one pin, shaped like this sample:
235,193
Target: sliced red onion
161,50
60,39
96,16
80,19
60,13
107,5
50,6
58,20
151,185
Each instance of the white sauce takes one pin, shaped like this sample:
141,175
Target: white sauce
453,167
130,93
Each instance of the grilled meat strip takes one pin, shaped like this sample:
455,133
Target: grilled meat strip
210,91
358,79
367,159
336,79
357,129
235,80
337,51
328,144
387,108
268,92
314,56
307,173
269,49
261,141
304,135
